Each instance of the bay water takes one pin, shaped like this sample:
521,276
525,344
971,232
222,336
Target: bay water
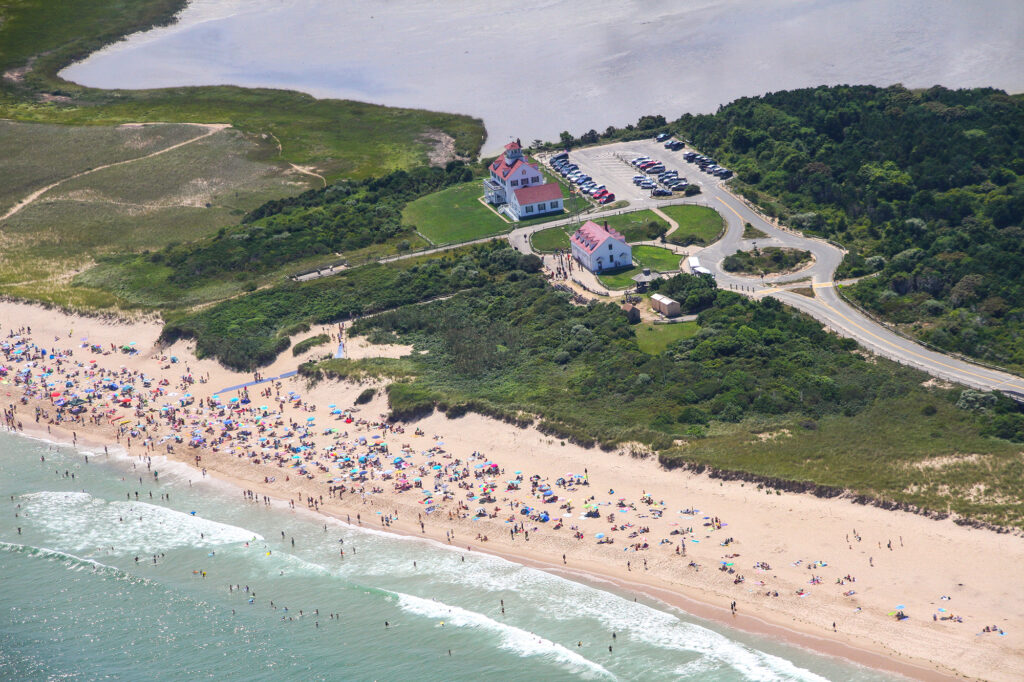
534,68
100,585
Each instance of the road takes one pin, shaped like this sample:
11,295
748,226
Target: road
609,165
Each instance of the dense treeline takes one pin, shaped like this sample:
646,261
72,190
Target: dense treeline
521,347
251,330
924,187
342,217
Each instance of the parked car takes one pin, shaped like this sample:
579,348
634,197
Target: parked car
661,137
600,194
596,188
660,193
690,156
640,159
606,199
647,184
561,156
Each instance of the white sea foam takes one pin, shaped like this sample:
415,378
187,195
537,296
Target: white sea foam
82,522
72,562
564,599
512,638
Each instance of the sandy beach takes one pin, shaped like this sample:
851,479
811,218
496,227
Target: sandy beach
829,575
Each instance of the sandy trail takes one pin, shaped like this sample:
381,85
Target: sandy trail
210,128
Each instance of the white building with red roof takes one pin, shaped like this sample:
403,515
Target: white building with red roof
517,186
599,247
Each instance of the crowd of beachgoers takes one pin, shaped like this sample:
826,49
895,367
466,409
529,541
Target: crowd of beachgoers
478,488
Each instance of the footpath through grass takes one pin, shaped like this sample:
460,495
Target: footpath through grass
340,138
697,224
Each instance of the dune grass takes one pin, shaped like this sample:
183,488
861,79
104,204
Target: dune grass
182,195
341,138
891,451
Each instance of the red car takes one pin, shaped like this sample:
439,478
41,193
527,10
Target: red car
647,164
601,194
606,199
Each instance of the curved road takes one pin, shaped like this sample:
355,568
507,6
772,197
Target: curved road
609,162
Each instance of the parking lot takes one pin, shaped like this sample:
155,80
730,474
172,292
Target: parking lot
610,165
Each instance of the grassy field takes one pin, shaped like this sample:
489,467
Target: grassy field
546,241
341,138
36,155
620,279
697,224
184,194
631,225
653,339
454,215
892,451
656,258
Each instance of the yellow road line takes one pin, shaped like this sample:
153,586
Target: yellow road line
1012,381
919,355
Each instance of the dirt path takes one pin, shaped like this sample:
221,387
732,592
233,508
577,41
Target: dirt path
305,170
210,128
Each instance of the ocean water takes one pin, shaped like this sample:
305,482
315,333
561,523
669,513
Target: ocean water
534,68
99,585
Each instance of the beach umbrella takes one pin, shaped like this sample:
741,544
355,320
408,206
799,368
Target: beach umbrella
599,536
437,467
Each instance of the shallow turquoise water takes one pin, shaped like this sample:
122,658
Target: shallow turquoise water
78,605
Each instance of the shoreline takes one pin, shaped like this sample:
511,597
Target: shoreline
794,531
662,595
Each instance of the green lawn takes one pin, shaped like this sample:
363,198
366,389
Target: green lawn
653,339
546,241
656,258
697,224
454,215
619,279
631,225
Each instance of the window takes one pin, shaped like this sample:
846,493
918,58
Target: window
529,209
541,206
609,247
515,183
535,179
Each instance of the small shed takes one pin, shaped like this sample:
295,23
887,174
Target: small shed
644,278
632,312
665,305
